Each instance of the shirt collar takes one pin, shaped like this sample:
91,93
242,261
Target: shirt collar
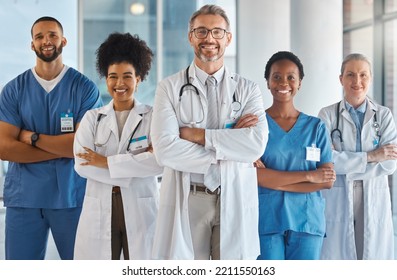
202,75
360,109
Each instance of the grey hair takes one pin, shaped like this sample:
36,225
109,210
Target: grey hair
355,56
209,10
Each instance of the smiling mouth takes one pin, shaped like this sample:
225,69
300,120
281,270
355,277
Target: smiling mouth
120,90
209,47
284,91
48,48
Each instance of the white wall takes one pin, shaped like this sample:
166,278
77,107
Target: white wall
263,28
317,38
312,29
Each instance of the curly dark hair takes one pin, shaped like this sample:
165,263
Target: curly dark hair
281,56
125,47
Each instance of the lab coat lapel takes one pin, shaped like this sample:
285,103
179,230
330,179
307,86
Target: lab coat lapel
370,112
110,119
229,88
131,124
196,82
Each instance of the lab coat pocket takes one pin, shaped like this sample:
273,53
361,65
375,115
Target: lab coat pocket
89,223
336,204
147,207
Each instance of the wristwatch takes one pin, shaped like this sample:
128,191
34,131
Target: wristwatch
34,138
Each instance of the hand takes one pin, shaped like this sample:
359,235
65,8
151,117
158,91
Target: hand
25,136
259,164
247,120
195,135
322,175
93,158
386,152
149,149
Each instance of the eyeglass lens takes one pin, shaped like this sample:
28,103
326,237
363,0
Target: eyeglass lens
201,33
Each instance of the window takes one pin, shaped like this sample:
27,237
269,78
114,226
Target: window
20,57
390,6
356,11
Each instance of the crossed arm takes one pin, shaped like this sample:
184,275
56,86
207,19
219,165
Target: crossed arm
296,181
15,145
197,135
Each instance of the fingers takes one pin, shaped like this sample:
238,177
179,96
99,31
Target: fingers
330,174
259,164
88,156
386,152
248,120
323,175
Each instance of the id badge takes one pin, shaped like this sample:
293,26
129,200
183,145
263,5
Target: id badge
376,143
313,153
230,123
67,122
139,143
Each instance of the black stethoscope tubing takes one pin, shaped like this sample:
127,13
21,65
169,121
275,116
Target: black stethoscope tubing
129,141
337,130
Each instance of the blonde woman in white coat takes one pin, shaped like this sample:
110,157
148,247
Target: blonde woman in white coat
113,151
364,137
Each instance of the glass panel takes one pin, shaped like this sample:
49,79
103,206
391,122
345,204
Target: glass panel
390,6
176,49
359,41
355,11
16,19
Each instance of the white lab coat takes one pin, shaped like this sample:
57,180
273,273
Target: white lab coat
349,166
234,149
135,174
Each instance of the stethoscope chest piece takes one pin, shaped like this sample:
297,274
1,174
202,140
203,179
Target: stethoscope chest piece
236,106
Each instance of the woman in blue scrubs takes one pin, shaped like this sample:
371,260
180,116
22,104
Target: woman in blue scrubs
295,166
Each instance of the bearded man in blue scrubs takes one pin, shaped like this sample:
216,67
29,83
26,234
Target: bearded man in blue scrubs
39,112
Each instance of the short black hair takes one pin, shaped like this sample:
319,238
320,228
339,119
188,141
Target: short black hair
281,55
119,47
46,18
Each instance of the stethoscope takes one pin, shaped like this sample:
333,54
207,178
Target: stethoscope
188,86
339,132
97,144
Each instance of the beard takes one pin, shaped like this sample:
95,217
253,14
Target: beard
57,52
205,58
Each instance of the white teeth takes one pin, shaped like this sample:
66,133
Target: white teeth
120,90
283,91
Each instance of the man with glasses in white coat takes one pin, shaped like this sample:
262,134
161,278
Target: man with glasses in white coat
207,135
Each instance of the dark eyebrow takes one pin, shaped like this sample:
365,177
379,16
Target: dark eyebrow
38,34
41,34
113,73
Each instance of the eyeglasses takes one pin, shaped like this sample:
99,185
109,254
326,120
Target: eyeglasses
202,32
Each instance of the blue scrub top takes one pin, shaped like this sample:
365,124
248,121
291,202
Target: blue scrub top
286,151
24,103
